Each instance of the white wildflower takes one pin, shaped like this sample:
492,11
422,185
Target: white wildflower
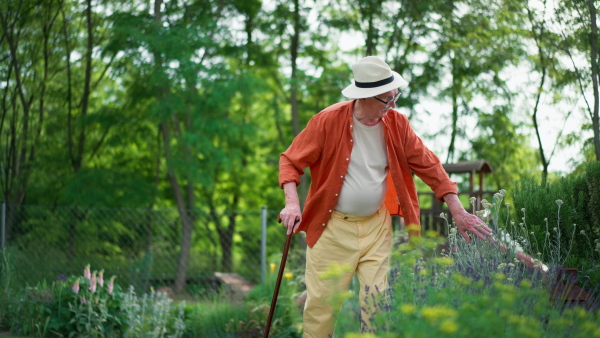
559,202
510,243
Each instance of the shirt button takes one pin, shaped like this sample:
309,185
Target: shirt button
347,159
350,126
323,224
350,140
341,176
329,210
336,194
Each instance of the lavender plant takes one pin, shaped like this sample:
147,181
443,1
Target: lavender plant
485,288
431,296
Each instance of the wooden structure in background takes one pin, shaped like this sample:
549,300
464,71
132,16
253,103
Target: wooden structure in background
430,218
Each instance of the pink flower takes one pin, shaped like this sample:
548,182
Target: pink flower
83,301
111,285
86,272
93,282
101,278
76,286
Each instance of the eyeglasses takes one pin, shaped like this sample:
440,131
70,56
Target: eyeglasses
388,102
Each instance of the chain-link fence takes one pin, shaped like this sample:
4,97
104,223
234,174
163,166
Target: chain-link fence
141,247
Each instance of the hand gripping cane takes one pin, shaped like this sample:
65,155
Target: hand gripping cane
288,240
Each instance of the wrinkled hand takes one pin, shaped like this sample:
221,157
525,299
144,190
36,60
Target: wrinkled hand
291,217
471,223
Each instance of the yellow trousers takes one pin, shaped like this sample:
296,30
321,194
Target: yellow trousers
348,245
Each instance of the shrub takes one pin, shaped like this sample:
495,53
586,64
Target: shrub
90,306
576,220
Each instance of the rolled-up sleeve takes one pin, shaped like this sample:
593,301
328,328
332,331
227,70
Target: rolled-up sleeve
425,164
305,150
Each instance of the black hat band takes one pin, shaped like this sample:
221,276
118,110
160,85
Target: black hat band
374,84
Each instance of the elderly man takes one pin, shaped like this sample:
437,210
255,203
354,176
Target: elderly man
361,155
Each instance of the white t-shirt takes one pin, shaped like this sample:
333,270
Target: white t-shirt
365,183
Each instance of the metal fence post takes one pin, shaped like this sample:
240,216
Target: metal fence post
3,243
263,245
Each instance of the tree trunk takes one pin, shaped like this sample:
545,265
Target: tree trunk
536,126
455,93
544,70
186,222
226,241
78,160
371,36
594,59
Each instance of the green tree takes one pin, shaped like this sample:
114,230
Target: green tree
504,147
578,26
29,59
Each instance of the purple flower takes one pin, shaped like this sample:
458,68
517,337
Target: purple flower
86,272
101,278
76,286
62,277
93,283
111,285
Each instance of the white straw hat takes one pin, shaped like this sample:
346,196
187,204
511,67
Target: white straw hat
372,76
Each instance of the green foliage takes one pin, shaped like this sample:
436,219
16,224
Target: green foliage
287,313
69,307
501,144
214,319
575,220
470,293
88,306
214,74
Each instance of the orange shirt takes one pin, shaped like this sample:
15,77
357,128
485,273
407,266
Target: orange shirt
325,146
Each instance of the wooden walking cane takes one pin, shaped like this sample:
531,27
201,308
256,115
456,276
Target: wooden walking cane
288,240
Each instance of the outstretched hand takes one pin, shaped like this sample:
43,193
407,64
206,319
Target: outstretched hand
471,223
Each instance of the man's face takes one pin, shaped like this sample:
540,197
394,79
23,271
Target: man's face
388,99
